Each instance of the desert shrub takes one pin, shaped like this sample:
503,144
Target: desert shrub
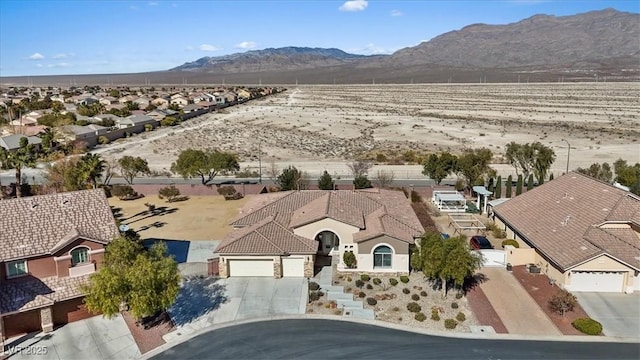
123,192
461,317
349,279
362,294
404,279
103,140
415,197
365,277
450,323
406,291
454,305
369,287
423,293
371,301
320,293
359,283
393,281
314,286
377,281
414,307
415,297
171,193
510,242
347,289
562,301
459,296
314,296
435,314
230,193
349,259
587,326
396,308
420,317
499,233
169,121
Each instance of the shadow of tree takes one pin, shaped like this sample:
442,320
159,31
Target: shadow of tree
159,211
197,297
474,281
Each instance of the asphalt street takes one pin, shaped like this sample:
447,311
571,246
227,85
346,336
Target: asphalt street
327,339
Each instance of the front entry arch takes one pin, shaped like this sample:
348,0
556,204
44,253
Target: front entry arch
328,241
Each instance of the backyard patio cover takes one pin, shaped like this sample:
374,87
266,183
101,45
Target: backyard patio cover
481,190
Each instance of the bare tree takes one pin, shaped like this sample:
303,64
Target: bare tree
109,170
359,168
272,170
384,178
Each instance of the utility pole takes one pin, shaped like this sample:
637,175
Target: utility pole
260,160
568,153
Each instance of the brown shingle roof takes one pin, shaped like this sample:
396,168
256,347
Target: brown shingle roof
39,225
376,212
555,218
267,237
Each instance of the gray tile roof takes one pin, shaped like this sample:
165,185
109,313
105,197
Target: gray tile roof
558,218
38,225
12,142
32,293
375,213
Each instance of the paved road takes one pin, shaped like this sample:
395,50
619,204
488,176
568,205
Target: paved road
519,313
326,339
619,314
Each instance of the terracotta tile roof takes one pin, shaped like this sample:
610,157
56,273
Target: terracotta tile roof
624,244
32,293
377,212
556,216
267,237
39,225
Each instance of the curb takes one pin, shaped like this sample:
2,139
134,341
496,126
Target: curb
388,325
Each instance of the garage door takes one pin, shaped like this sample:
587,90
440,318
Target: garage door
22,323
292,267
251,267
597,281
70,311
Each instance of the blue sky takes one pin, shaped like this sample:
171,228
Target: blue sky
98,37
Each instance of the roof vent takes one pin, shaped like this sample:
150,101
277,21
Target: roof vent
583,247
34,204
65,200
566,220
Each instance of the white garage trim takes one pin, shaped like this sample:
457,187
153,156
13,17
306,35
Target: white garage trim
293,267
597,281
251,267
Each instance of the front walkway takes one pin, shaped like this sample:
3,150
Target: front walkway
94,338
519,313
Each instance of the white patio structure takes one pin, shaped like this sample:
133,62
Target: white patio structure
465,222
482,191
449,201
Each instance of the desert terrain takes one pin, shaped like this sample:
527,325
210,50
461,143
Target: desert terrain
323,127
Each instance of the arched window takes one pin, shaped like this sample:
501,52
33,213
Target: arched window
382,257
79,255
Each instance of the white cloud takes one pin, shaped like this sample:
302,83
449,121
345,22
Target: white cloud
207,47
39,65
63,55
372,49
246,45
396,13
134,8
189,48
354,5
153,3
36,56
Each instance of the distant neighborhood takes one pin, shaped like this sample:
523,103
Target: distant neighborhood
85,117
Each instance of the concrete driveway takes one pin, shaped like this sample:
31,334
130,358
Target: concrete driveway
619,314
209,301
519,313
93,338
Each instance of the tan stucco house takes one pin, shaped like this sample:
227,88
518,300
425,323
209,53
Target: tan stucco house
281,234
583,233
49,245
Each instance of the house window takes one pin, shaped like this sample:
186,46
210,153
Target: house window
17,268
382,257
79,255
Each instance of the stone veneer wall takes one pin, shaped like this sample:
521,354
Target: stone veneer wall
223,269
277,269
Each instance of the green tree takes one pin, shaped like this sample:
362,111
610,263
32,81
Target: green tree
449,261
509,186
146,280
498,194
206,165
439,167
65,175
91,167
530,182
601,172
473,165
519,185
130,167
544,158
361,182
533,158
628,175
325,182
550,176
292,179
25,156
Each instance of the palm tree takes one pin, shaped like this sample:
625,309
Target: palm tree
92,166
24,156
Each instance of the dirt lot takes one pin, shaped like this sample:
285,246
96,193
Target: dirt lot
322,127
197,218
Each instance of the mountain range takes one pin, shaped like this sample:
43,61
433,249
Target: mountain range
604,43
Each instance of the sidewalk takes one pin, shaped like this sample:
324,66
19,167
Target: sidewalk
519,313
